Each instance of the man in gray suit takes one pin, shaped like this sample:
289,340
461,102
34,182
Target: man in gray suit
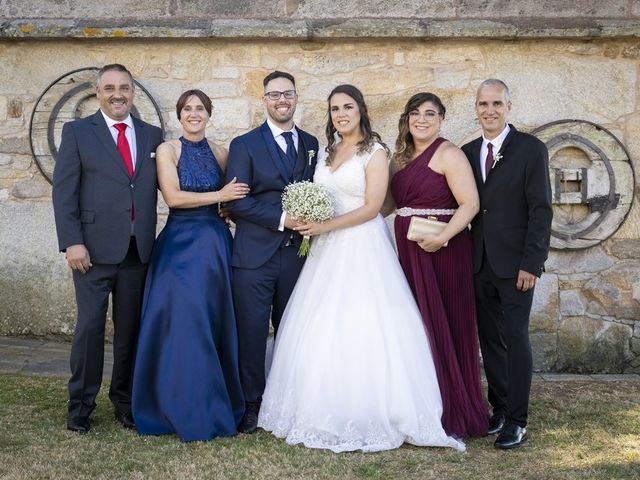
104,200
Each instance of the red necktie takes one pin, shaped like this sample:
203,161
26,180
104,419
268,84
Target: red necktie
125,153
123,147
488,163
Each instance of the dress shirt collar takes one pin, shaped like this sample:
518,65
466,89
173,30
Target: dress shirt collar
111,122
498,141
277,131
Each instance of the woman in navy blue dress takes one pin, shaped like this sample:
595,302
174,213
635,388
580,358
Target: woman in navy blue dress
186,379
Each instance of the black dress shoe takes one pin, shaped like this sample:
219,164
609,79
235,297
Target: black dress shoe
249,422
78,424
496,423
125,418
511,436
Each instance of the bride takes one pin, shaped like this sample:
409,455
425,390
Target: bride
352,368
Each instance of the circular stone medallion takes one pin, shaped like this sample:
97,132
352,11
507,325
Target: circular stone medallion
592,182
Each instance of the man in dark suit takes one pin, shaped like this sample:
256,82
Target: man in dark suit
265,261
104,200
511,242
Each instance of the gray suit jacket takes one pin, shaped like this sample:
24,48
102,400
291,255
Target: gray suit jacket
93,194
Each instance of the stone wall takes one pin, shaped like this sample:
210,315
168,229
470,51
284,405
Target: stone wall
587,307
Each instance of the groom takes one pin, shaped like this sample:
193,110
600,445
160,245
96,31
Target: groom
265,261
510,244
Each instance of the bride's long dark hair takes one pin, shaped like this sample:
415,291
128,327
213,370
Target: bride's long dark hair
369,137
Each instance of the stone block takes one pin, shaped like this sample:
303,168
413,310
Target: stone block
593,259
166,92
99,9
225,72
37,292
588,345
18,145
377,9
564,8
544,348
545,311
626,248
564,88
610,351
21,162
572,303
235,9
232,114
33,188
218,89
575,336
238,54
3,107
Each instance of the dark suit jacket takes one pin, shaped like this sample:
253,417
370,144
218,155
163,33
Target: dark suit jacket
514,221
254,159
93,194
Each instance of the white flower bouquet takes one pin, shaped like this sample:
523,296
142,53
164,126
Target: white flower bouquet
309,202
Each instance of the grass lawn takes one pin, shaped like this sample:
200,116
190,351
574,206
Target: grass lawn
578,430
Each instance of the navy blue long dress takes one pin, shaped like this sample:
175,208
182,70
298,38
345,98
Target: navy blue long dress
186,378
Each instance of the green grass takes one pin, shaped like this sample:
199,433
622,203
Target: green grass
578,431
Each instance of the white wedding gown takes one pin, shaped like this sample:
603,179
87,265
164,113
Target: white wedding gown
352,367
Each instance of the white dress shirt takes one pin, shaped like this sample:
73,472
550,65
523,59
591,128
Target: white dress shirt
497,145
282,143
130,133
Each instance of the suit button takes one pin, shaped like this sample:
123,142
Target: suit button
485,211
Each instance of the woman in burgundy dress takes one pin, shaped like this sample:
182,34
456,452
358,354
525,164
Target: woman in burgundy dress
433,178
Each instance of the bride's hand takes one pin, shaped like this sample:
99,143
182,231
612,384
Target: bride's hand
312,228
431,243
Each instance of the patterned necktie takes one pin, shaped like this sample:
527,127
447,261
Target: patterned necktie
488,163
123,147
291,153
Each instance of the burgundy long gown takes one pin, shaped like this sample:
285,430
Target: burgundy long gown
442,283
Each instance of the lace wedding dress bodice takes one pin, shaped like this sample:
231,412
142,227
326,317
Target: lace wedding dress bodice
347,183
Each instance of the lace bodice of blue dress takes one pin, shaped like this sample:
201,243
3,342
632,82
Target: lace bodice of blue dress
198,169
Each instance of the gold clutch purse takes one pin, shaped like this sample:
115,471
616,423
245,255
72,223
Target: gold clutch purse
419,227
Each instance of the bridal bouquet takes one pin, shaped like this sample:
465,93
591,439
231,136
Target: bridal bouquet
309,202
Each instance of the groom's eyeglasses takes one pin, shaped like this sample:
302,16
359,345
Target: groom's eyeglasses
275,94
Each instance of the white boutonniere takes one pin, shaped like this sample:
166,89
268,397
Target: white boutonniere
312,155
497,157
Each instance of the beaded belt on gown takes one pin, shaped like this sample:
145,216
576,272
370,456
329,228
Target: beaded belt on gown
408,211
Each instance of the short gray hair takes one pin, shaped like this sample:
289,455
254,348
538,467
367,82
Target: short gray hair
113,67
492,82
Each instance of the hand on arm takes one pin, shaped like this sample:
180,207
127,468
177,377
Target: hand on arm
166,162
377,178
249,208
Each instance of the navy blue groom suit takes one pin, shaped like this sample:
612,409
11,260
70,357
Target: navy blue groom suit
265,261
